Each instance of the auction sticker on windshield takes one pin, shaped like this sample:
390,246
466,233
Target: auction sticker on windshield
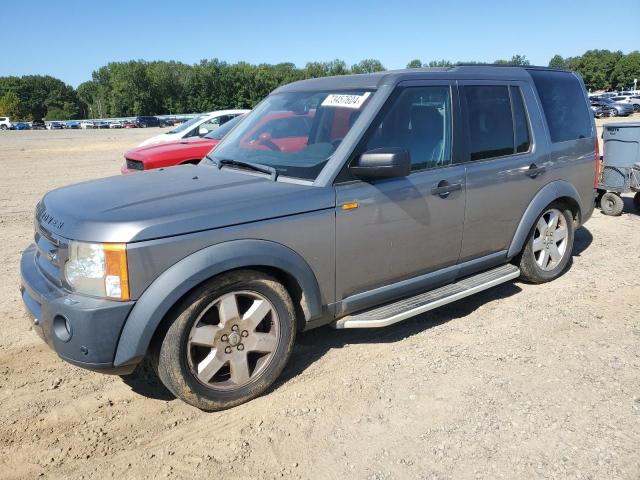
345,101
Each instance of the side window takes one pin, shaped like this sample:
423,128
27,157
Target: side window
562,97
209,126
489,121
520,121
420,121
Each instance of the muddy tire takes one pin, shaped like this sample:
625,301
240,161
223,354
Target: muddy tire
549,247
228,341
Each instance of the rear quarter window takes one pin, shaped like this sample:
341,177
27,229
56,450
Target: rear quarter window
563,102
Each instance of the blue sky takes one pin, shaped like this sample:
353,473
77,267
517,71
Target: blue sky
70,38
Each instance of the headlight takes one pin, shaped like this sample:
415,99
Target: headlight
98,269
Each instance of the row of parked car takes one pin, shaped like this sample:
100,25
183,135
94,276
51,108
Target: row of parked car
137,122
618,104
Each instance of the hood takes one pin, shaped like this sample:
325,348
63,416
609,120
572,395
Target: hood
173,201
171,150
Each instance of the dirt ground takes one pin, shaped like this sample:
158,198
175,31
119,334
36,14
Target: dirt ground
519,382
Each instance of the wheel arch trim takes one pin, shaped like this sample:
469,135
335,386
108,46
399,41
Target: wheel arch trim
546,195
191,271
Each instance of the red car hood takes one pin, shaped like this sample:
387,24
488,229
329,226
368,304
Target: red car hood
172,153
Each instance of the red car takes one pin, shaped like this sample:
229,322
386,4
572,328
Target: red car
160,155
266,135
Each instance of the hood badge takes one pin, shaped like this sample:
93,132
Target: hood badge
46,218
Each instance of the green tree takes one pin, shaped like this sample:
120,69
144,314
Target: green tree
596,67
626,70
10,106
368,65
558,62
440,64
415,63
520,60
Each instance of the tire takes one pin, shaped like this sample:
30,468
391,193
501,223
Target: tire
636,201
611,204
538,263
613,112
221,348
636,107
3,127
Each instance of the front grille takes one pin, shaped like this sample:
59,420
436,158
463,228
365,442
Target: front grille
51,253
135,164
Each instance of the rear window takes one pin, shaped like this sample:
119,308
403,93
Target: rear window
563,103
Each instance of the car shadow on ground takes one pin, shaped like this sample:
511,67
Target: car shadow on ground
581,241
144,381
629,206
313,345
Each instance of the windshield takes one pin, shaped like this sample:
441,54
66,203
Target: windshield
223,129
294,132
185,125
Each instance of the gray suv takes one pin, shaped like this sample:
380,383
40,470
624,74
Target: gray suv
356,201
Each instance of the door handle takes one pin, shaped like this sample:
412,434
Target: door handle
534,170
444,188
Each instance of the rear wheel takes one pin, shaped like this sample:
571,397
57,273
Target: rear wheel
549,247
229,342
636,107
611,204
3,127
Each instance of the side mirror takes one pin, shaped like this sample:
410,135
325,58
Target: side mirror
202,131
382,163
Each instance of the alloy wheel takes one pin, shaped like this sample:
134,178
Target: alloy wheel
550,239
233,340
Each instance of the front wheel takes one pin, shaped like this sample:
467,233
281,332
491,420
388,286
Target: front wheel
613,112
549,246
3,127
229,341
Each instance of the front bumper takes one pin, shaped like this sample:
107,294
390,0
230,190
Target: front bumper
82,330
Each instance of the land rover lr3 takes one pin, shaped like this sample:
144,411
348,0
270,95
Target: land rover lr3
374,198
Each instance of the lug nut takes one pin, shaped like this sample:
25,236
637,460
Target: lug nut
245,333
240,347
234,328
227,350
224,338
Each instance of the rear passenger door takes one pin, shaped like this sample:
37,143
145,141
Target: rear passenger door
504,167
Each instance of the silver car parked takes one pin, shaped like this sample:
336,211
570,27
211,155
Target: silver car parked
353,201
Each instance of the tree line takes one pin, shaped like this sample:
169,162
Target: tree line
138,87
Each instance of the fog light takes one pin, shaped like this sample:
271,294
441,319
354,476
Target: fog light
62,328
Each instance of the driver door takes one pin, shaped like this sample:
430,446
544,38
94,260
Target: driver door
398,236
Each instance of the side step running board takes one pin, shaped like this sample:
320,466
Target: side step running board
410,307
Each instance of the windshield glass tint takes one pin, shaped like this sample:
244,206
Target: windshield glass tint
186,125
294,132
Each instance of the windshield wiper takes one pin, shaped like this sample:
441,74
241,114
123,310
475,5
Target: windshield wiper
257,167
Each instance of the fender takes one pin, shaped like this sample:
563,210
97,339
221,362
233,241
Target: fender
547,194
177,280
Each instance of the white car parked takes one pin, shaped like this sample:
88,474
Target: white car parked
5,123
196,127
